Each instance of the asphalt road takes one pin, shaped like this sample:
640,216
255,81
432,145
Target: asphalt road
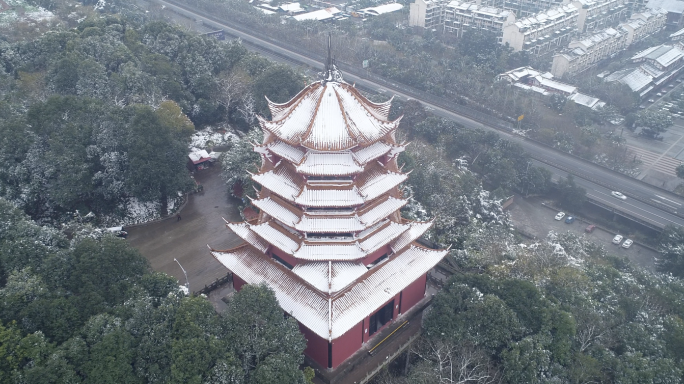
657,206
629,207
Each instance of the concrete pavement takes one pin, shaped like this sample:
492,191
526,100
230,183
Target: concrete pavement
201,223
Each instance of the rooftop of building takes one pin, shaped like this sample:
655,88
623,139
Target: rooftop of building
675,6
664,55
321,14
382,9
473,7
547,16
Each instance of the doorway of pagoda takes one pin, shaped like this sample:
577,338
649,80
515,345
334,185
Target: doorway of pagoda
381,317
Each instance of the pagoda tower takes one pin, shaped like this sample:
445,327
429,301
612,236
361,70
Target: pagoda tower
329,238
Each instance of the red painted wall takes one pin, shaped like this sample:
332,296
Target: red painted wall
238,282
413,293
366,321
373,256
316,346
288,259
345,346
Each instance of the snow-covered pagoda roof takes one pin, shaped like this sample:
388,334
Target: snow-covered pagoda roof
329,116
321,295
331,247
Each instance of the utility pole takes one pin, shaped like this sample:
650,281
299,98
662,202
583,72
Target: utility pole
187,282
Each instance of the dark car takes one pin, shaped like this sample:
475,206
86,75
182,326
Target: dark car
569,220
590,228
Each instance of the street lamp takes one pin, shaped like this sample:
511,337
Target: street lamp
187,282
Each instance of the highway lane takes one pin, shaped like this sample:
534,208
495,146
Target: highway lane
630,207
662,205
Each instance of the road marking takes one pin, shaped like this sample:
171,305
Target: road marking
636,214
665,204
673,202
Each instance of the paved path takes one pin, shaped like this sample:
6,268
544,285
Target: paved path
187,239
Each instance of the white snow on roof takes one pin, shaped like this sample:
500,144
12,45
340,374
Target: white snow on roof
310,307
329,116
322,224
286,151
245,233
678,33
306,305
280,182
371,152
197,155
277,211
417,230
291,7
319,274
381,183
329,198
321,14
268,232
557,85
382,9
585,100
635,79
387,233
674,6
329,164
382,210
319,252
390,279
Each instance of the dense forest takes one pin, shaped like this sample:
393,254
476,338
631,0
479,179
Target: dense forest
100,116
89,310
95,118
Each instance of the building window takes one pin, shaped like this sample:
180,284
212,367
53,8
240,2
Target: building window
281,261
381,317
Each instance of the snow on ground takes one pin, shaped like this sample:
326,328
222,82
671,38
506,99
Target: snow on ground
201,139
31,12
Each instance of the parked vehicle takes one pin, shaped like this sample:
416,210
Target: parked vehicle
590,228
627,243
118,232
617,239
560,216
569,220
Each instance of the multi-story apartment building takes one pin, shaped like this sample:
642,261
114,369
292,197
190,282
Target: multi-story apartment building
644,24
461,16
544,31
586,52
674,9
426,14
595,15
582,54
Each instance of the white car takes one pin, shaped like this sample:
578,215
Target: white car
560,216
618,195
617,239
627,243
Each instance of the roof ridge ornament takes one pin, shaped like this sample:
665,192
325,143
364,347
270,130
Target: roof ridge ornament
331,74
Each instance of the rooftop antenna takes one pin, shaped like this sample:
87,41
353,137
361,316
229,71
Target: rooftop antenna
329,62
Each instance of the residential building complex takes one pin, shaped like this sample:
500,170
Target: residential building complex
674,9
583,54
653,68
544,31
595,15
461,16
